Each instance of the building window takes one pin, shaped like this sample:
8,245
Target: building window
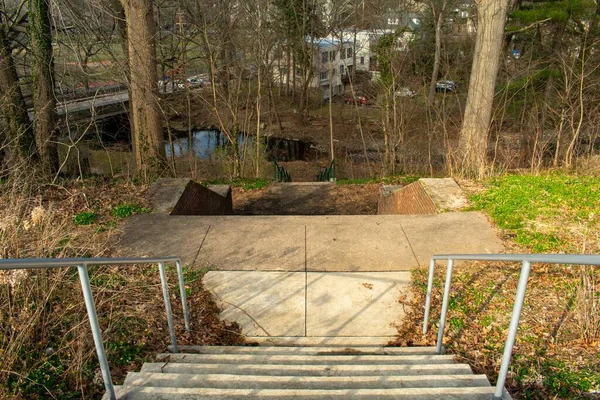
324,57
362,61
341,70
323,76
349,52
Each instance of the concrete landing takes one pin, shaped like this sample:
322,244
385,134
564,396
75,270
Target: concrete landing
311,304
374,243
302,277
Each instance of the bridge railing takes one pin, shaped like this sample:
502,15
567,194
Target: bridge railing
82,267
328,173
280,174
526,260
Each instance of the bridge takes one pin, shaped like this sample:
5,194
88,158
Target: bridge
88,108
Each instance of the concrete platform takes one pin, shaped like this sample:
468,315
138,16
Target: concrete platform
447,233
358,247
248,247
375,243
355,304
311,304
263,303
321,277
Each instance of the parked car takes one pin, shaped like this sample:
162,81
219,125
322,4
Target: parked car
357,99
197,81
404,92
446,86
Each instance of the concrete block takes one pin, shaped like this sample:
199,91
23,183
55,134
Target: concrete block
165,192
411,199
445,193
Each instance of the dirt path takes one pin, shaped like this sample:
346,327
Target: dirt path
307,199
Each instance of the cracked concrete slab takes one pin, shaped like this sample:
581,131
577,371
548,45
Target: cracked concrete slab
147,235
380,246
464,232
249,246
355,303
263,303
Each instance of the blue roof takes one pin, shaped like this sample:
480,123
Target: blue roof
323,42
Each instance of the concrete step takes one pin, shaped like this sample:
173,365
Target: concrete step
289,359
167,393
302,382
317,350
308,370
320,341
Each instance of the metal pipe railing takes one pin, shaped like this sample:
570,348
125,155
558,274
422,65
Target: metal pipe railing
82,264
526,260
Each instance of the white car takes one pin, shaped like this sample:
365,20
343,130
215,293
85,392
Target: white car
405,92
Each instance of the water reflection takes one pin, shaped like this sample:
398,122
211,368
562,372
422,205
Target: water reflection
205,143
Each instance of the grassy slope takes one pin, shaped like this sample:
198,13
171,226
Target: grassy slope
552,358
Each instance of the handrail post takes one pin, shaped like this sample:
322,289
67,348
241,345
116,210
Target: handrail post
444,306
84,279
428,296
165,289
512,329
186,315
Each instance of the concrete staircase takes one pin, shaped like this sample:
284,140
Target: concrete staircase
306,372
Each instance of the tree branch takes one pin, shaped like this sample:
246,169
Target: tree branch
528,27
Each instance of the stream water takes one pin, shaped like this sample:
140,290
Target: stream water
207,143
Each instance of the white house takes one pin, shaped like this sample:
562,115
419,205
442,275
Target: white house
366,41
332,61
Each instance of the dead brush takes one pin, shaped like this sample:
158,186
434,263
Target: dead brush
46,347
587,307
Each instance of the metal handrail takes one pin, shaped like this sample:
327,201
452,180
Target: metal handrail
328,173
526,260
82,264
280,174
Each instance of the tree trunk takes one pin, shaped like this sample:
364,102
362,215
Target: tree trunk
42,71
146,128
438,50
473,142
13,108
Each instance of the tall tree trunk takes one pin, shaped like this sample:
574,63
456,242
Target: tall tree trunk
42,71
438,49
473,143
146,128
13,108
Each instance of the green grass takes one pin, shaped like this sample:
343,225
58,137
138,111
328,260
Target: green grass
244,183
543,211
85,218
126,210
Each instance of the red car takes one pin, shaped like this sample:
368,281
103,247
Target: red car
360,100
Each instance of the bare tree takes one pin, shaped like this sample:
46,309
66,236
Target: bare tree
473,142
438,10
42,69
18,134
146,132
